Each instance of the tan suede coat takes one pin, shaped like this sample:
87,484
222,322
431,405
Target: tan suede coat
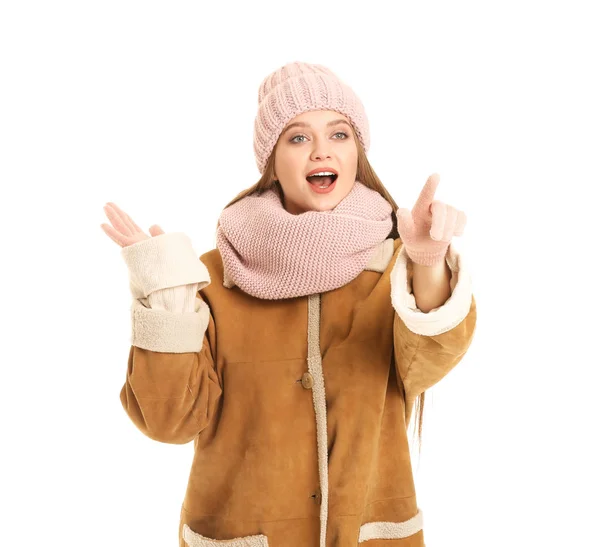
298,410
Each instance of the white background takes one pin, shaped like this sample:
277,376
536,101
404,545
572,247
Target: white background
151,105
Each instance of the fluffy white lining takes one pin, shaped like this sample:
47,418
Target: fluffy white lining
168,332
442,318
194,539
315,367
381,256
391,530
159,263
167,260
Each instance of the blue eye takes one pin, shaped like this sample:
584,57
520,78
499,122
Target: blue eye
293,139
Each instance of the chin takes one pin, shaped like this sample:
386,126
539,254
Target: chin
327,202
322,203
327,206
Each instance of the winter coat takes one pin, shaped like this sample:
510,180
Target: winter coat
298,408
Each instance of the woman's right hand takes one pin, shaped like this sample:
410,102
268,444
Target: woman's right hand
125,231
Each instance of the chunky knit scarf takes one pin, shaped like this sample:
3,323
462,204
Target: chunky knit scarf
272,254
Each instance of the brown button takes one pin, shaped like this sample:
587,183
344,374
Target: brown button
307,380
317,497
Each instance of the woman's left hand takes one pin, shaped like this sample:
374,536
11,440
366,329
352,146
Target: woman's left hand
427,230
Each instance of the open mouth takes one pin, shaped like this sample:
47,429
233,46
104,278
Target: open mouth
322,181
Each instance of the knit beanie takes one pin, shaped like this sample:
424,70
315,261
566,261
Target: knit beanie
296,88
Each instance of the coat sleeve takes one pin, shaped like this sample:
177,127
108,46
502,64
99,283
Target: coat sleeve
428,345
172,388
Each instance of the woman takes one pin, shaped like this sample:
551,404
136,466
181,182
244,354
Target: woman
293,353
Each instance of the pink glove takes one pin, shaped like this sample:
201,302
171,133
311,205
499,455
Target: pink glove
427,230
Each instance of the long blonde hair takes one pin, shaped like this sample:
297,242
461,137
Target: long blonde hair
365,174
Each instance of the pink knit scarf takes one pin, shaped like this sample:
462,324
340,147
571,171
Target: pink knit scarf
272,254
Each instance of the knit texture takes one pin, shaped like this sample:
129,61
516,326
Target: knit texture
272,254
180,299
301,87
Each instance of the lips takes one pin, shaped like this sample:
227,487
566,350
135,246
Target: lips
321,169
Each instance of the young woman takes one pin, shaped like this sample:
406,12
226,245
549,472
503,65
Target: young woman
293,353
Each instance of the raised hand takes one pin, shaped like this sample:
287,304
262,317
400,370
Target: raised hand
125,231
427,230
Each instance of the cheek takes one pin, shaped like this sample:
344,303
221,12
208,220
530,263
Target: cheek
288,165
350,155
351,161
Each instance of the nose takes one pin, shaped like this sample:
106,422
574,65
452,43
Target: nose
320,150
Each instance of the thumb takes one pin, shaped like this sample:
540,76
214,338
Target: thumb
406,225
156,230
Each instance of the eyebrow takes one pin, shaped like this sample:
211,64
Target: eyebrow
302,124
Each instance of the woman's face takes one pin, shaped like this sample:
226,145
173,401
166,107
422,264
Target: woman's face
320,140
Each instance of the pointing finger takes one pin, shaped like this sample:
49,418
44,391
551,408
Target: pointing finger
427,194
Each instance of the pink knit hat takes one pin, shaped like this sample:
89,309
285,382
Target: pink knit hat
296,88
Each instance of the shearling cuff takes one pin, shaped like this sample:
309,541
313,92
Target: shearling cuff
440,319
167,332
163,261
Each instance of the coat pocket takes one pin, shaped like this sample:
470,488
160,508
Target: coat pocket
193,539
391,530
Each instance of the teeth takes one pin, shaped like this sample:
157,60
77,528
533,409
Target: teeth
323,174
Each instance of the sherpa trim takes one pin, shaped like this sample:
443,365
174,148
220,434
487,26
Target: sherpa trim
440,319
315,367
391,530
193,539
163,261
381,256
168,332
